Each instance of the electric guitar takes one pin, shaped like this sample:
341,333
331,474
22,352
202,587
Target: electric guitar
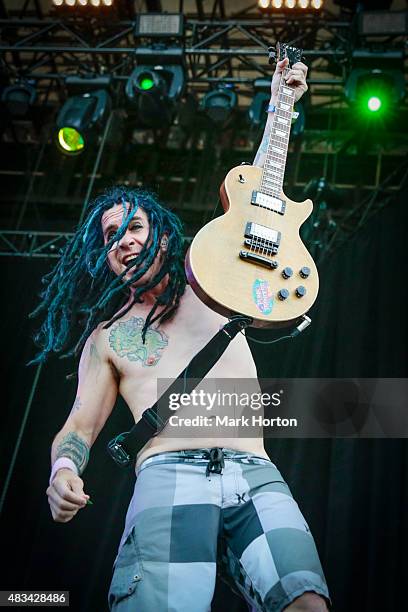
251,260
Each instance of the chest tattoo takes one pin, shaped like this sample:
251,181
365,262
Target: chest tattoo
125,339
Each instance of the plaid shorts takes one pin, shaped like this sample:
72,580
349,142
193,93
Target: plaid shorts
185,523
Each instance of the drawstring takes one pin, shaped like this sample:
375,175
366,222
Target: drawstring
216,461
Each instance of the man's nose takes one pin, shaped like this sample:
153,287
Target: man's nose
127,240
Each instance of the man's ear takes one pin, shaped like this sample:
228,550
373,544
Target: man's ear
164,243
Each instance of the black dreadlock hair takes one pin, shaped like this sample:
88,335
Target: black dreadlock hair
82,284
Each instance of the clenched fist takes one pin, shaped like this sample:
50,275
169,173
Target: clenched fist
296,78
66,495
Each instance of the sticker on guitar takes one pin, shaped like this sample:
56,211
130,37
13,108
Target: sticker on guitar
262,294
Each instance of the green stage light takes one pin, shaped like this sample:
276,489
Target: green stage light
153,92
374,94
70,140
374,104
145,82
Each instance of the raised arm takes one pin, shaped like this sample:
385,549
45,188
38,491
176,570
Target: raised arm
95,398
296,78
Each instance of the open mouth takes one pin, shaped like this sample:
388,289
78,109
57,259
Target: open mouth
130,260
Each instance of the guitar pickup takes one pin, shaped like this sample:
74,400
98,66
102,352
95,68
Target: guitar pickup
262,236
267,201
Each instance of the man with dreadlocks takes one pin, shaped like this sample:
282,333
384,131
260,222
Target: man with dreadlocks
122,276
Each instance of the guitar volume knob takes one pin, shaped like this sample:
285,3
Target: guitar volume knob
300,291
287,272
304,272
283,294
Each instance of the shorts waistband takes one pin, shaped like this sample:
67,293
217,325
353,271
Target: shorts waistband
203,456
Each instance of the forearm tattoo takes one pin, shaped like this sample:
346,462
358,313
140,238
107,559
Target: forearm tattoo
263,148
75,448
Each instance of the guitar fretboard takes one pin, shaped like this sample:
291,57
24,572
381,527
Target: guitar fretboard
275,161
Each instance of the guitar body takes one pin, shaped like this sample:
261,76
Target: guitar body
229,281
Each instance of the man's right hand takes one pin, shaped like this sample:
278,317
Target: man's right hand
66,495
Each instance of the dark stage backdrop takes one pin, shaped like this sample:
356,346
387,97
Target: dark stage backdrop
352,492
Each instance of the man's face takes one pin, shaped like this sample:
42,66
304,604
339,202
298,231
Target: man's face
131,243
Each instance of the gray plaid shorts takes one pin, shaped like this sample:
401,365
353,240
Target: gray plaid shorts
185,523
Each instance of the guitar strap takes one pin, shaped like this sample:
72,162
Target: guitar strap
124,447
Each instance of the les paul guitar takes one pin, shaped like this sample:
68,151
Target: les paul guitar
251,260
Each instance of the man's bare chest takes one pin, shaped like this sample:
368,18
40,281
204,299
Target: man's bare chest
142,357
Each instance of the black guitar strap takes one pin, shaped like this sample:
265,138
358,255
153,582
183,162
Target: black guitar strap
124,447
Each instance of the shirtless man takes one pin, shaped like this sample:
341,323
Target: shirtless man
184,520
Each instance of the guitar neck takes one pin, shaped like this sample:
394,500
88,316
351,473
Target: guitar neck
275,162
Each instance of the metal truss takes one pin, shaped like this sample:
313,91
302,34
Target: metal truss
46,245
227,50
33,244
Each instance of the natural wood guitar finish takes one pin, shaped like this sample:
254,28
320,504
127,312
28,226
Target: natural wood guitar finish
226,283
251,261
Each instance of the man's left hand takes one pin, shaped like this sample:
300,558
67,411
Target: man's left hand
295,78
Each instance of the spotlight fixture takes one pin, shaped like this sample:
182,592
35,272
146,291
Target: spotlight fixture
80,119
257,109
376,83
159,25
219,104
153,91
18,98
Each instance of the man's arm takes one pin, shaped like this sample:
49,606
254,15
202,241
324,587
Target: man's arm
96,395
296,78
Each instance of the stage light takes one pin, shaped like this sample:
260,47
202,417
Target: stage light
145,81
58,2
80,119
70,140
70,2
303,4
290,4
160,25
257,110
263,4
18,98
219,104
83,2
374,104
152,92
107,2
316,4
374,93
96,2
277,4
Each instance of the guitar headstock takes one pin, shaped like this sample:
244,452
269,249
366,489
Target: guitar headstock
283,50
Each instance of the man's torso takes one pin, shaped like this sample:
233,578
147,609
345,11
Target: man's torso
167,350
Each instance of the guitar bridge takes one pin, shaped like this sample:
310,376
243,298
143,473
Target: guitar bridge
252,257
259,246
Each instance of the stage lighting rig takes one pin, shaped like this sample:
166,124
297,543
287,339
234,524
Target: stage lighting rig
376,84
290,6
85,7
219,104
80,120
155,86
